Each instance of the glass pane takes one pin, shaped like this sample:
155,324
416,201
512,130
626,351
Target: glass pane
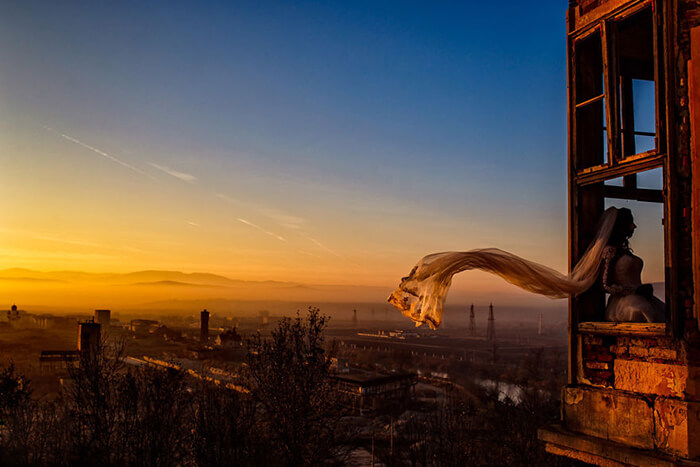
589,68
591,135
644,106
615,182
644,143
605,142
651,179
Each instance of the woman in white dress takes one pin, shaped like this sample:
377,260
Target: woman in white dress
630,300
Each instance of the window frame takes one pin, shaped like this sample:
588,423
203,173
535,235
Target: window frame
587,189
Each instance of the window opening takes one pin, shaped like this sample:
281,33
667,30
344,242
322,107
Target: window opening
637,88
647,242
591,131
616,107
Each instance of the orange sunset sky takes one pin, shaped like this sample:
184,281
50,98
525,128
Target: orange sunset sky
315,144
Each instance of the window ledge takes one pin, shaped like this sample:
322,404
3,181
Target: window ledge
623,329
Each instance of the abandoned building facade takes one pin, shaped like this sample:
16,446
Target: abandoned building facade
633,392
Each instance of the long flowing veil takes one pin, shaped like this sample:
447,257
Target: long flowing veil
421,295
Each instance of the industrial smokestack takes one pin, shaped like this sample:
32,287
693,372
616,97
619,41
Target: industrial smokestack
204,329
88,337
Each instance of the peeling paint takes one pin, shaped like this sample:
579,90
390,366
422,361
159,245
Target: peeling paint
651,378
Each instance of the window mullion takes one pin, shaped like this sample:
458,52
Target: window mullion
610,89
658,79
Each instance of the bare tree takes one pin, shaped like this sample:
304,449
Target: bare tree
289,375
93,395
225,428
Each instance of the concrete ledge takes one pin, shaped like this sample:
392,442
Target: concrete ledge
618,416
562,442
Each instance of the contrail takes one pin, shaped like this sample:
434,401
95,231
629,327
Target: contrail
97,151
185,177
321,245
272,234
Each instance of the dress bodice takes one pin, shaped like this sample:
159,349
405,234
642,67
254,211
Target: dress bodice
622,276
628,270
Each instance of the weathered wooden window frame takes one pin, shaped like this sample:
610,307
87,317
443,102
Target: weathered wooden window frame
587,188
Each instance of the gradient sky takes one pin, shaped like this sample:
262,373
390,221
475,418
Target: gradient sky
327,142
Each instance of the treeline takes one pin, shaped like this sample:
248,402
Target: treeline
110,415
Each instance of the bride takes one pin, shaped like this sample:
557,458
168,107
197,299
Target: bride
421,295
630,300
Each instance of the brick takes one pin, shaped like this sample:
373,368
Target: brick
592,340
638,351
604,357
598,365
665,354
638,342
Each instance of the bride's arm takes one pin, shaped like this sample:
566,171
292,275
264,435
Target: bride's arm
608,264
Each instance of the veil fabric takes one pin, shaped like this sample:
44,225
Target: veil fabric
421,295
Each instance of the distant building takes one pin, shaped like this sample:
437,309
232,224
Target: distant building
51,360
21,319
143,327
14,316
340,365
373,391
166,333
229,338
103,317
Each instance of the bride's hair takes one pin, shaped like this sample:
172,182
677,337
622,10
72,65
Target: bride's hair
621,231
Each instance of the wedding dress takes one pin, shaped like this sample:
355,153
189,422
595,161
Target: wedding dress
622,276
421,295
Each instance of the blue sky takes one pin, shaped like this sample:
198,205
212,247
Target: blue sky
364,134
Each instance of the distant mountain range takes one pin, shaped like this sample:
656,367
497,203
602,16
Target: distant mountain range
142,287
166,289
138,277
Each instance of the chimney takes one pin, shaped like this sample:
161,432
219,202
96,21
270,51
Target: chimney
88,337
204,330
